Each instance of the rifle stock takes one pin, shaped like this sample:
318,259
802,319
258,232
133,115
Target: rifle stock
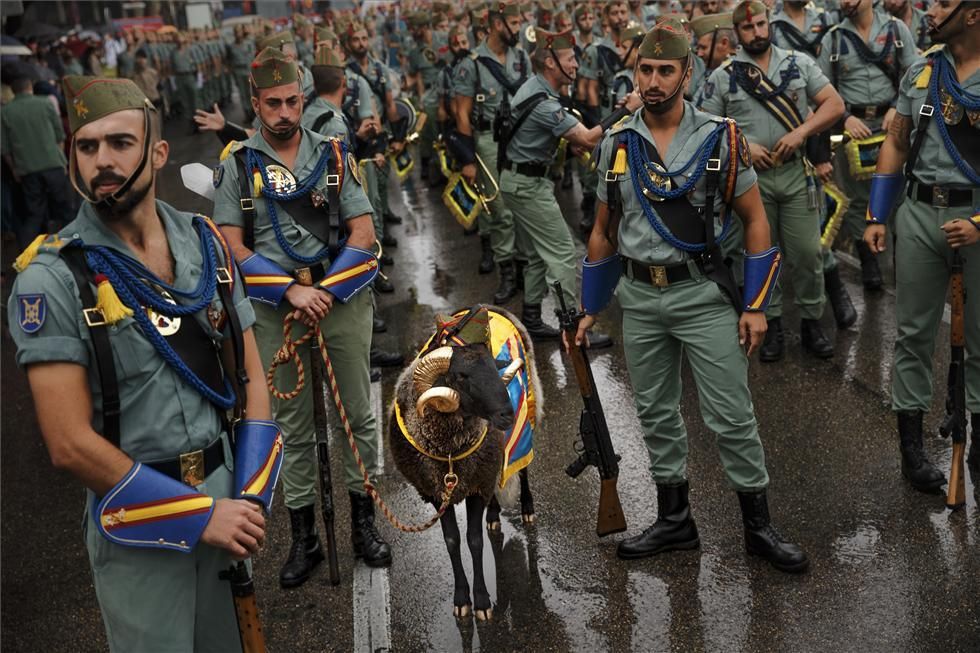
323,462
956,422
246,609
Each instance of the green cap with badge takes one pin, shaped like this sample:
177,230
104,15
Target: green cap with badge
505,8
272,68
327,56
581,9
552,40
667,40
710,23
274,41
91,98
325,35
747,10
632,33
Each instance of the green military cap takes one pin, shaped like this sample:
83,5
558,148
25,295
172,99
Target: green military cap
682,18
553,41
274,40
456,31
418,19
581,9
505,8
476,6
91,98
441,7
327,56
299,20
272,68
667,40
632,33
352,28
546,5
480,17
324,35
710,23
747,10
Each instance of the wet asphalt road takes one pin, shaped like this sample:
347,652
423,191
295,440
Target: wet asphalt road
892,569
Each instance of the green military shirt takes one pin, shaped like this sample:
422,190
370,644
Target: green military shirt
334,127
307,81
537,139
364,104
622,85
240,55
860,82
920,28
699,74
473,79
375,76
227,209
32,134
126,63
755,121
182,62
785,33
162,414
600,62
934,165
305,53
424,60
637,238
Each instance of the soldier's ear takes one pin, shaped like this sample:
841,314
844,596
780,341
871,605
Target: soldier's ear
159,153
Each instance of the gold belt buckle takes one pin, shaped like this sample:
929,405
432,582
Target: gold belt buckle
303,276
658,273
870,112
940,197
192,467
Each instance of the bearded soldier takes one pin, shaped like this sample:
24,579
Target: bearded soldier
656,225
913,17
934,137
305,249
132,398
798,26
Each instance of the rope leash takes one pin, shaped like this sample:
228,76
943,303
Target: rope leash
288,352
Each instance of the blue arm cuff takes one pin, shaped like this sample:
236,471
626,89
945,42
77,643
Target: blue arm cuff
149,509
265,281
761,273
885,191
599,281
350,272
258,459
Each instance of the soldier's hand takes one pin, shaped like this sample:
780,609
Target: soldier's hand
634,101
961,233
824,171
581,335
761,157
311,303
856,127
397,146
752,327
874,237
788,144
237,526
887,120
210,120
469,173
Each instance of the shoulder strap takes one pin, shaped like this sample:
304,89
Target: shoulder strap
497,70
246,200
524,110
321,120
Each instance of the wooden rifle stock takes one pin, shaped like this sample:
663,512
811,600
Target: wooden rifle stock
323,462
246,609
956,491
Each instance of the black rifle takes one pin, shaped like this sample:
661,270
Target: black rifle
595,447
323,459
954,426
246,610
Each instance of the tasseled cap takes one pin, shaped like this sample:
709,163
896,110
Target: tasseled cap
710,23
553,41
91,98
632,33
581,9
456,32
506,8
274,41
325,35
327,56
475,331
352,28
418,19
546,5
747,10
441,7
667,40
272,68
299,20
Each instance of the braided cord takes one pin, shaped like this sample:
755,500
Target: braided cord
943,74
786,76
870,57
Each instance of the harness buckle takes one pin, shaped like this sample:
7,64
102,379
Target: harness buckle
870,112
247,204
926,110
658,276
713,165
940,197
94,317
192,467
480,97
899,44
611,176
224,276
333,180
835,57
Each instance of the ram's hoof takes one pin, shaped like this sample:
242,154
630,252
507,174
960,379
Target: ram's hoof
484,615
528,519
461,611
493,526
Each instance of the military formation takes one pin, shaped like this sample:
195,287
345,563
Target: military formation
714,144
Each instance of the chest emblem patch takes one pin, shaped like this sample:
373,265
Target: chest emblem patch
280,179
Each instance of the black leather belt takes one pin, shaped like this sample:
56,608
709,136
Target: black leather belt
309,275
869,111
528,169
660,276
483,125
940,197
193,467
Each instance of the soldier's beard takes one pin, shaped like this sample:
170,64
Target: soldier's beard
757,46
282,131
124,205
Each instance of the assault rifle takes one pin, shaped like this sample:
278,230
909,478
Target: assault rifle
246,610
595,447
954,426
323,461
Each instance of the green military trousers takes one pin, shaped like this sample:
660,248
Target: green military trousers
796,228
499,225
695,318
244,89
923,264
165,601
187,93
548,243
371,176
347,332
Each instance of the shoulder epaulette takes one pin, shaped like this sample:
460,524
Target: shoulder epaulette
933,50
727,62
44,243
474,56
230,148
834,27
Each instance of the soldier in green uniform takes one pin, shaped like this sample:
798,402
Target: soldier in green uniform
677,295
130,395
913,17
240,57
629,48
864,56
799,26
768,91
714,42
324,115
933,138
423,73
185,76
305,48
492,73
537,123
291,254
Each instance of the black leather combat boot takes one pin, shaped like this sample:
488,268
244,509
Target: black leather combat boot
382,358
973,460
536,327
519,267
840,301
508,283
391,218
486,255
364,536
814,341
305,552
870,272
922,474
674,529
599,340
772,347
763,540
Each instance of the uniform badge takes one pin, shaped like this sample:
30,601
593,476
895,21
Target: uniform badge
31,312
744,153
952,112
709,90
559,115
217,175
166,325
429,55
355,169
280,179
973,116
216,316
658,175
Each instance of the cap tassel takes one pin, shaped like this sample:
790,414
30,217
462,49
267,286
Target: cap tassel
619,165
28,255
108,302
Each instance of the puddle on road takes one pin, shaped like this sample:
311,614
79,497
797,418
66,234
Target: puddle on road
858,547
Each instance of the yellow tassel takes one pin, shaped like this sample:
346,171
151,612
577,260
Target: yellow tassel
922,81
108,302
225,152
256,183
619,165
25,257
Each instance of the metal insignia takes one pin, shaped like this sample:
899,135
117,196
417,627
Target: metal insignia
217,175
952,112
166,325
744,153
429,55
658,175
31,312
355,169
973,116
216,316
280,179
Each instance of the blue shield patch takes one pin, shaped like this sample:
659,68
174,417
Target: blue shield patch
31,311
217,175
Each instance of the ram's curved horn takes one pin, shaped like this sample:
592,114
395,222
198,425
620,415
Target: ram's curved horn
430,367
443,399
511,370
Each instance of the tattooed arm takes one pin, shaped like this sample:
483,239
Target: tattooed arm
895,149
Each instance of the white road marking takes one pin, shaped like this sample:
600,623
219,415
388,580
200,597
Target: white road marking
379,418
372,609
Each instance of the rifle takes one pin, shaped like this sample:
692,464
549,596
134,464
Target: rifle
246,610
595,447
954,426
323,460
